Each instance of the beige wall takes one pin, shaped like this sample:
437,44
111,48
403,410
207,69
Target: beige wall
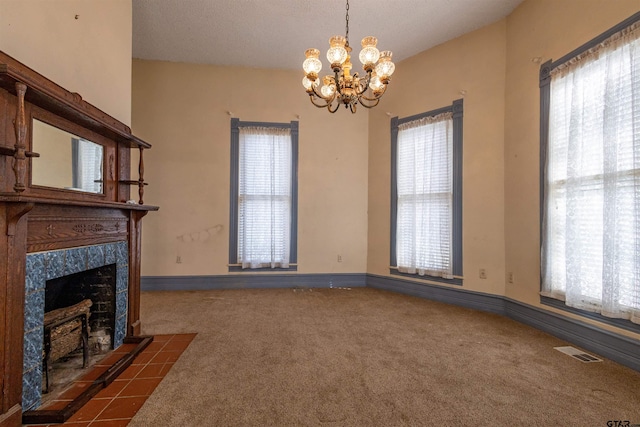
470,67
545,29
182,109
90,55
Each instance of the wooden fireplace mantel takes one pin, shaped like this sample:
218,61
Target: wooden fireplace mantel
37,218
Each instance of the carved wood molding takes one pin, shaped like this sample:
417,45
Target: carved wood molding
111,171
89,228
6,151
49,232
15,212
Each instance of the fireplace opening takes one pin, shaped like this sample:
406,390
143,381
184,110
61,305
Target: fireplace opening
98,285
82,312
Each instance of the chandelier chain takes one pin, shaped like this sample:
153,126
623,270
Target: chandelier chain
347,19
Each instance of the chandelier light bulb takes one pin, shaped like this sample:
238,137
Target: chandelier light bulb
328,88
337,53
312,64
369,54
385,67
308,84
375,84
328,91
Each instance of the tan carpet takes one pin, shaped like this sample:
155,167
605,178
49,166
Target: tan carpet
365,357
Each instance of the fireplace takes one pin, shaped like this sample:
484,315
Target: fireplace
49,230
65,277
97,285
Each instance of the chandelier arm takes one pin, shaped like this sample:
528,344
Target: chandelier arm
366,98
315,92
317,95
312,99
376,97
377,101
353,107
364,86
335,109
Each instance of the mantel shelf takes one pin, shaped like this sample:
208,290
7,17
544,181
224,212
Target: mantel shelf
17,198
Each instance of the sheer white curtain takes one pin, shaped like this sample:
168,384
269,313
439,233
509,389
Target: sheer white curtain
89,167
264,197
425,196
591,240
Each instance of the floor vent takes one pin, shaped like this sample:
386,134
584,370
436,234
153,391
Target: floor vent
578,354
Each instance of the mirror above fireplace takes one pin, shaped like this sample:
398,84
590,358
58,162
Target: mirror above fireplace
66,160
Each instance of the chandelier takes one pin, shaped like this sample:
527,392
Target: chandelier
343,87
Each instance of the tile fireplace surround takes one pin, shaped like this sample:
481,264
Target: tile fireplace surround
43,266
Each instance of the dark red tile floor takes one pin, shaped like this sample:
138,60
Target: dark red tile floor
120,401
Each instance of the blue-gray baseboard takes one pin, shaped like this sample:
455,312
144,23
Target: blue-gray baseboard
616,347
252,281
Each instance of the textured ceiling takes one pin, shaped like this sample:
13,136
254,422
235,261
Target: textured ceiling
275,33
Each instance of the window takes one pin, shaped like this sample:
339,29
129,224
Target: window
590,154
264,196
86,173
426,194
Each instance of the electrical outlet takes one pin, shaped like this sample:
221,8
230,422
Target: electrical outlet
483,273
510,278
339,258
178,259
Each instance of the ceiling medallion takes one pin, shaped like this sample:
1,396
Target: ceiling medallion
342,87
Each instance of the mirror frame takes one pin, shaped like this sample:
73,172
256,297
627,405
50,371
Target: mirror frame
109,162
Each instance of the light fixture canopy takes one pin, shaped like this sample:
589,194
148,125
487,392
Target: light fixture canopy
343,87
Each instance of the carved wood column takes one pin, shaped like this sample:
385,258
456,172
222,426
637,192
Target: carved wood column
19,157
135,251
141,182
13,254
123,173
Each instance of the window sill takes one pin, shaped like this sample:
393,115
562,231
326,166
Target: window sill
619,323
454,281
